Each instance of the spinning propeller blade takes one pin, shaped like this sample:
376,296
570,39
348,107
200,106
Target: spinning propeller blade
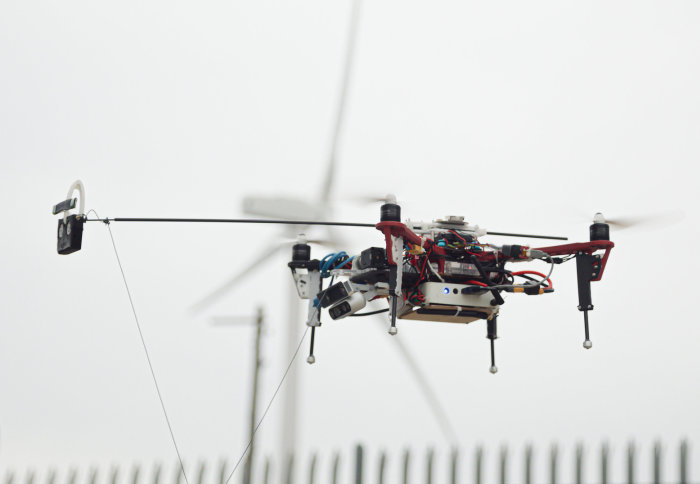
653,221
340,113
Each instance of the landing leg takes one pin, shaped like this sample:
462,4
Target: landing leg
311,358
394,305
491,333
587,342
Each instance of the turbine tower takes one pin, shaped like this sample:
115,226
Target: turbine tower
320,209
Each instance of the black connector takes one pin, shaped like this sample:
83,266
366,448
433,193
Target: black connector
372,258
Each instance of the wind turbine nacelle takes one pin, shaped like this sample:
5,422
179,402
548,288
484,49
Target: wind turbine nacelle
283,208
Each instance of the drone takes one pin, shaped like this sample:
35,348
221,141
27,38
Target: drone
439,271
436,271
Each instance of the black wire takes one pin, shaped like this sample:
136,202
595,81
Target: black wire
371,312
229,220
529,278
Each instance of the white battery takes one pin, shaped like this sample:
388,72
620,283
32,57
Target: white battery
447,294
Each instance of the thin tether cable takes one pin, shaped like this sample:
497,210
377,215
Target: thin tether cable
257,426
148,357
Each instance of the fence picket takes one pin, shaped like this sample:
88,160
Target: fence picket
382,466
454,459
506,466
429,466
478,464
553,458
683,471
657,463
528,464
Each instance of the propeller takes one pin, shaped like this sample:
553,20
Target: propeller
653,221
370,199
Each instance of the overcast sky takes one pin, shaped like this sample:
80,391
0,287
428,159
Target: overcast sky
520,117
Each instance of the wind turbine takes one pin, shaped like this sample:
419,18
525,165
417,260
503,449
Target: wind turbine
289,208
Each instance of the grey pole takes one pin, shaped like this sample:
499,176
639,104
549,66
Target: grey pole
248,470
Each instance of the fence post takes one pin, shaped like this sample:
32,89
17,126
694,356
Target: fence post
657,462
30,477
336,465
579,463
553,457
429,466
528,464
406,465
114,475
382,466
72,476
178,472
156,474
92,476
266,471
683,474
604,454
453,465
630,462
289,471
223,471
51,479
478,464
135,474
312,468
202,471
359,457
503,464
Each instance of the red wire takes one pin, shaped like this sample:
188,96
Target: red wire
520,273
462,239
477,283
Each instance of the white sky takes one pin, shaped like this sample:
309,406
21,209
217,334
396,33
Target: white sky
521,117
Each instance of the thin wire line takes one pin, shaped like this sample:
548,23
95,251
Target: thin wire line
230,220
148,357
250,442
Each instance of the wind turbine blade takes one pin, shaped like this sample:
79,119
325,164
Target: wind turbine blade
428,392
227,286
340,113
